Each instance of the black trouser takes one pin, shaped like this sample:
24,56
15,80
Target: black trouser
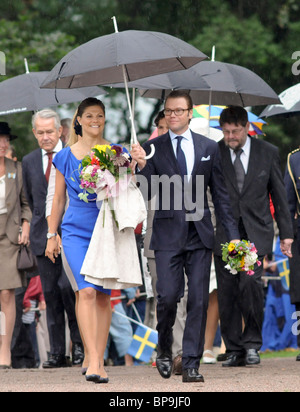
59,298
195,261
241,307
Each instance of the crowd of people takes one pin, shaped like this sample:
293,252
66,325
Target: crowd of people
194,296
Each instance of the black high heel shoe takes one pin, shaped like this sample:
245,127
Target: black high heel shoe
93,378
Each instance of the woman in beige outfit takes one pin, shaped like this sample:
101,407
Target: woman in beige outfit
10,239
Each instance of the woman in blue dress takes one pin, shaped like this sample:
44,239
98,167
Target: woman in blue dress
93,302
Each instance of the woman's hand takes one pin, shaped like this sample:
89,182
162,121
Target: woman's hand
53,248
24,235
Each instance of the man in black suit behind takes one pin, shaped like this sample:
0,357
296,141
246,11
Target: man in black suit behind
182,238
57,290
253,175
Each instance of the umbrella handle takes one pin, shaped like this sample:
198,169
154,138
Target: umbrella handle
151,153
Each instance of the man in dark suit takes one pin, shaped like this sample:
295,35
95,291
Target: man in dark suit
183,234
252,174
57,290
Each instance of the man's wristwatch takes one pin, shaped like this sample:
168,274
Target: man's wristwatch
50,235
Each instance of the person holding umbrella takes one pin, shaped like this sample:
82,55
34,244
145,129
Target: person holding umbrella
182,238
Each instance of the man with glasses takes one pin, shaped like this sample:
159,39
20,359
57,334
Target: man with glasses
253,175
183,237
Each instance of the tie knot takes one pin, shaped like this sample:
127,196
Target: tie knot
179,138
238,152
49,154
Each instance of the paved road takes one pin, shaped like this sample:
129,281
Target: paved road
273,375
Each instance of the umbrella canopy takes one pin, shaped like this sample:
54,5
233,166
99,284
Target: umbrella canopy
290,99
23,93
229,84
203,110
101,60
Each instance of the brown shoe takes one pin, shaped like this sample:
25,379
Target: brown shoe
177,365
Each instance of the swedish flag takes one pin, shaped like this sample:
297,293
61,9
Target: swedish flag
143,343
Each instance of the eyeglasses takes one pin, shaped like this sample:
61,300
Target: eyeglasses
177,112
234,132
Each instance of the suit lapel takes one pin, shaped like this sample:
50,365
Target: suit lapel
252,166
169,153
38,167
228,168
10,179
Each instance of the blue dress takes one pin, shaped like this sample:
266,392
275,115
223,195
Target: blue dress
79,220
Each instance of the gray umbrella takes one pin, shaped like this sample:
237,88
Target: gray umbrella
290,99
123,57
229,84
23,93
100,61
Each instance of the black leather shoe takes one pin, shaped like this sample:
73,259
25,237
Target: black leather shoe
234,360
298,358
191,375
56,361
164,365
77,354
252,357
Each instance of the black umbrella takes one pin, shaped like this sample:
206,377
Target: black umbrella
229,84
23,93
122,57
290,99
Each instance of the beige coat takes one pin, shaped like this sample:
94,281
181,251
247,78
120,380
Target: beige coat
12,223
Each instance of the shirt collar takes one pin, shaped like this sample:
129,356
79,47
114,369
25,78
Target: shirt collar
187,134
57,148
246,148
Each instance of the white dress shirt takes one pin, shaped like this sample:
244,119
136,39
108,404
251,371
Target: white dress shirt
187,145
245,156
57,148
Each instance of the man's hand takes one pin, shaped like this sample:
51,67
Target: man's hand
286,247
138,154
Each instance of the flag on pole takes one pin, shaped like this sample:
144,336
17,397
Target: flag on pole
143,343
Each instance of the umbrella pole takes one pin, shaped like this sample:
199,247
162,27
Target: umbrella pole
213,55
133,132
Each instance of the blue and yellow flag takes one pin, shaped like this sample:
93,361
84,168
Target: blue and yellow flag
143,343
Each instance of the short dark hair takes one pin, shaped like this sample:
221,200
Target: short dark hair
161,115
181,93
234,115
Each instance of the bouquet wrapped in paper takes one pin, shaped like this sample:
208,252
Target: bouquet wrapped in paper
105,172
112,260
240,257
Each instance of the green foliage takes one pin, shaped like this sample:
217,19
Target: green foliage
260,35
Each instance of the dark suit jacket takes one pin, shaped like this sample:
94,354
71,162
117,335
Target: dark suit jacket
170,228
35,186
264,178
